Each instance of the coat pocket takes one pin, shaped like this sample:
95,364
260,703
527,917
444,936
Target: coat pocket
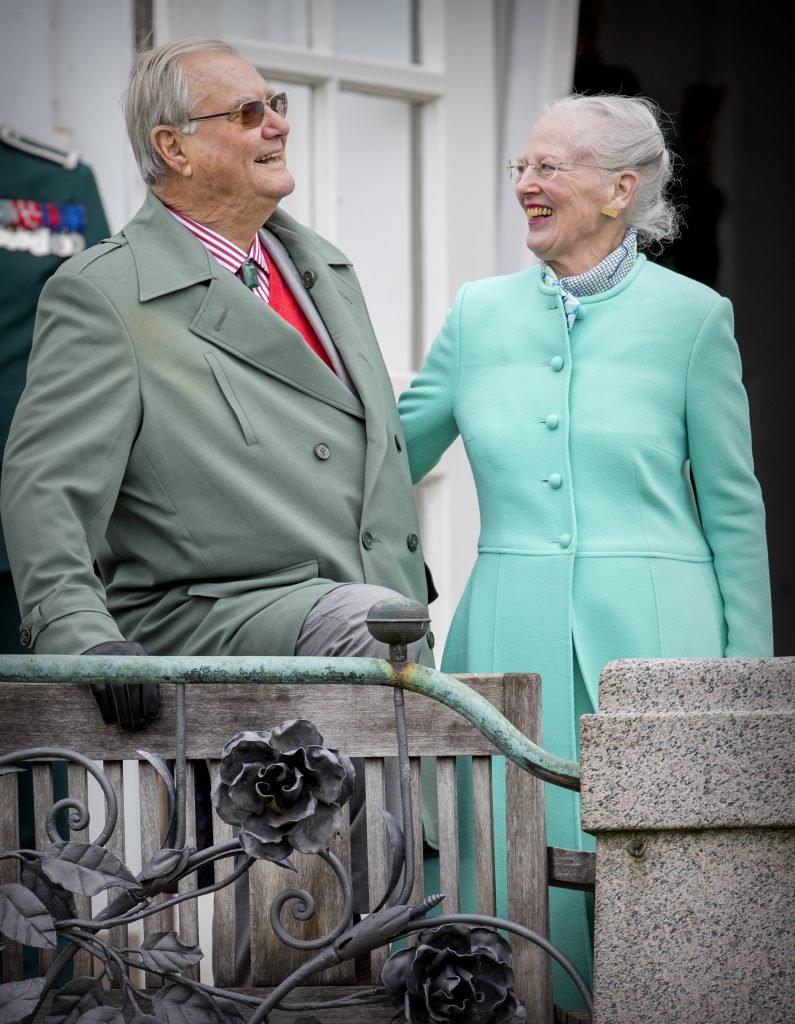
298,573
226,388
344,275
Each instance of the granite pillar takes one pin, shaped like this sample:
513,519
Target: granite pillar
688,782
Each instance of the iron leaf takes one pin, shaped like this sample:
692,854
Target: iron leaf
164,772
85,868
74,1000
18,999
58,901
164,951
230,1012
179,1004
397,846
24,918
165,864
102,1015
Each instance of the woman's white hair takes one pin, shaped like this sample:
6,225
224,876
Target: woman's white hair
632,138
159,93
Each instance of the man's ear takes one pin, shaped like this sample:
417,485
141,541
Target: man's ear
168,143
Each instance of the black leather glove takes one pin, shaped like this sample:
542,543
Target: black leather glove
131,706
433,593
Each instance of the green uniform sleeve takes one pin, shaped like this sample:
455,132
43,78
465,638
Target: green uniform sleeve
729,496
65,462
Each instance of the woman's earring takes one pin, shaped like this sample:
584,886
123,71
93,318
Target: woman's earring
608,211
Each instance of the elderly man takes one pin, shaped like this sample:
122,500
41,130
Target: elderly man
207,458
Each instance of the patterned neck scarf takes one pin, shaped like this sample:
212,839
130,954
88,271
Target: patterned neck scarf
605,275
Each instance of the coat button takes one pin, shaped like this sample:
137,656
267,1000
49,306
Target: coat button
367,540
398,445
25,636
412,542
564,540
552,421
556,362
431,639
308,277
322,451
555,480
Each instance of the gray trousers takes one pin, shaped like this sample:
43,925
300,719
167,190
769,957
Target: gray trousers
336,628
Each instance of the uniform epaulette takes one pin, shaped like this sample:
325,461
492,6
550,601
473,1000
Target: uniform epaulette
68,160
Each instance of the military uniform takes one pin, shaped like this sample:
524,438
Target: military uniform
48,212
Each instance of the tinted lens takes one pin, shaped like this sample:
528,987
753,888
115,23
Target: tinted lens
278,104
252,113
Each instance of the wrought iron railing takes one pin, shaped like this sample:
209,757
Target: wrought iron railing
285,791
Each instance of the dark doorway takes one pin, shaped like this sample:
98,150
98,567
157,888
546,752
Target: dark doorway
719,72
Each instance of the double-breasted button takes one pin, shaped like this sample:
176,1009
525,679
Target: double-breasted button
412,542
564,540
367,540
552,421
556,363
308,277
555,480
398,445
322,451
25,636
431,639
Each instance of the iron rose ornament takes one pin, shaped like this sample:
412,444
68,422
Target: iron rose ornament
284,788
456,972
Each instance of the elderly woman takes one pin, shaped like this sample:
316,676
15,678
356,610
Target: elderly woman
600,400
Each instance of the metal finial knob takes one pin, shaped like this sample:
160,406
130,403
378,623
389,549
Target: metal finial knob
397,621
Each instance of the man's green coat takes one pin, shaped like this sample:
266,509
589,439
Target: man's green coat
181,436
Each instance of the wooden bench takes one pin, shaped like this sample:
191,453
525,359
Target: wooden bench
356,719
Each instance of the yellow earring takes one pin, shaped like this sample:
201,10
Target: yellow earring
608,211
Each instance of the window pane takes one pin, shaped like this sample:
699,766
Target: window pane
374,28
376,214
270,21
299,147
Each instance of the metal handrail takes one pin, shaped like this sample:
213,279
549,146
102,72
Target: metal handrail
448,690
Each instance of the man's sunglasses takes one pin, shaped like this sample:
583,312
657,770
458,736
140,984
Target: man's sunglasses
251,114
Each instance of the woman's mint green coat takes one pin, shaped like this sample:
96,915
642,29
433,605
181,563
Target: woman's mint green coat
582,447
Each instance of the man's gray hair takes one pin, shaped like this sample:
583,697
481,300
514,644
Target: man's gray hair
632,138
159,93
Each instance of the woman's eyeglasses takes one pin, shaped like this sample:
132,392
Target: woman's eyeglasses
251,114
546,170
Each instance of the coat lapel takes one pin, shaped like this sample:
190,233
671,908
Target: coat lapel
236,320
168,259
